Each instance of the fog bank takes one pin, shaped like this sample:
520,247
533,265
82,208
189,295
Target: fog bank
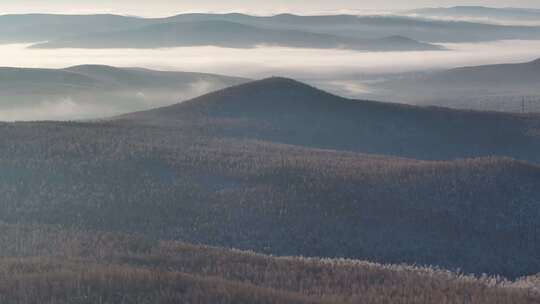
265,61
330,69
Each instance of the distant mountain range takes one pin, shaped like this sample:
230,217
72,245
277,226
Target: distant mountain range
230,34
502,87
526,74
357,32
30,28
279,167
94,91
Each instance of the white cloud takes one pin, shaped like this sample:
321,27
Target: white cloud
261,62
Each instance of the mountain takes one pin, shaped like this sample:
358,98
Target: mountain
375,27
501,87
94,91
279,167
47,28
28,28
527,73
420,29
481,12
115,268
287,111
228,34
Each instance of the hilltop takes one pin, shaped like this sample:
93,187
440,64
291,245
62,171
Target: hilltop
287,111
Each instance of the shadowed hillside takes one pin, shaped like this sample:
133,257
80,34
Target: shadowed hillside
242,167
283,110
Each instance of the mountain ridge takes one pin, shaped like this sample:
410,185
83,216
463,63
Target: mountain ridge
39,28
290,112
494,87
287,84
227,33
95,91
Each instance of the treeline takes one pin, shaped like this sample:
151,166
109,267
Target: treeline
55,265
41,281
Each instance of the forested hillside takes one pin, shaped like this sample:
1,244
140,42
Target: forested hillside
243,168
41,264
286,111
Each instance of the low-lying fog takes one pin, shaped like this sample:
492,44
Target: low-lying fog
267,60
336,70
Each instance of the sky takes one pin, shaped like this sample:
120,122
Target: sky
171,7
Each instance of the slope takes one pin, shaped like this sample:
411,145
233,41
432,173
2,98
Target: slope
501,87
59,264
287,111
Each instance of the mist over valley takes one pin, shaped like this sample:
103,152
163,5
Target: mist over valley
357,155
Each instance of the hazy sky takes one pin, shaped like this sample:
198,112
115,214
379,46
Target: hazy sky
170,7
